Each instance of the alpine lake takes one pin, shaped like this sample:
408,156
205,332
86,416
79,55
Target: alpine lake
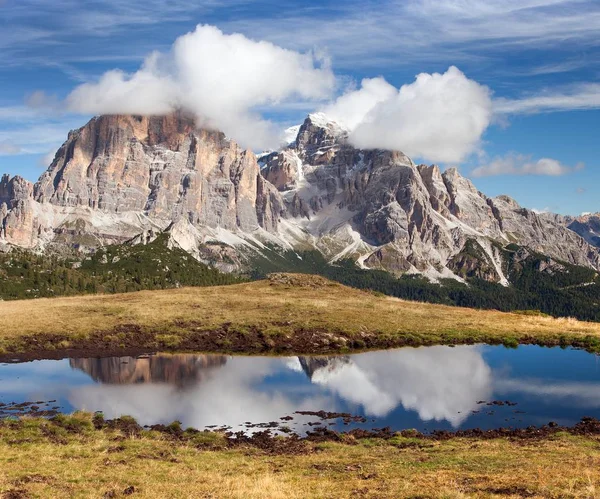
427,389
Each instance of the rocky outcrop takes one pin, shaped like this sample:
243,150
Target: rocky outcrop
18,223
283,170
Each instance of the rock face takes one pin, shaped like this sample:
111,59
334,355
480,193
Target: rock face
17,217
161,166
587,226
119,175
124,177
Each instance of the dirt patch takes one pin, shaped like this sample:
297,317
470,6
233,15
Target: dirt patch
32,479
267,442
125,424
299,280
15,494
510,491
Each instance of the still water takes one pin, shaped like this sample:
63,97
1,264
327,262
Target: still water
425,388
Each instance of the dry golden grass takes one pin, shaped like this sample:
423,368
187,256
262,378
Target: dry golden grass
281,308
94,463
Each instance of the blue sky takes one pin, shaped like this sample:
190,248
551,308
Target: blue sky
539,58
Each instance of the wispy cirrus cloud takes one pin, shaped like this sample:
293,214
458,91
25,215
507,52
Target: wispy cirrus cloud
356,33
8,147
574,97
427,30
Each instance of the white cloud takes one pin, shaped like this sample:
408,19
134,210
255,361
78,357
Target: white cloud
351,108
580,96
438,117
521,164
220,78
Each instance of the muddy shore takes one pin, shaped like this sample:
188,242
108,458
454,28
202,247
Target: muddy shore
189,337
271,442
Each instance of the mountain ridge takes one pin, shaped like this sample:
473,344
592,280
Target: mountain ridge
121,178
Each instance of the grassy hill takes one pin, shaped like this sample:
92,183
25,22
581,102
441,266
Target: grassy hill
287,312
537,283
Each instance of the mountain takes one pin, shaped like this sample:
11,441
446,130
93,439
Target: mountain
384,211
587,226
121,176
126,179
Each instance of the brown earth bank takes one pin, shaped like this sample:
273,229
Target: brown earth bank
286,314
84,455
133,340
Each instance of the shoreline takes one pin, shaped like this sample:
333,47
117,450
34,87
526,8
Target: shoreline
85,455
133,341
586,427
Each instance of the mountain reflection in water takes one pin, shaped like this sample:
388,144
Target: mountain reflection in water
179,370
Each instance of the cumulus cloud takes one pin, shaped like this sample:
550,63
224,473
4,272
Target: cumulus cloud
351,108
438,117
219,78
521,164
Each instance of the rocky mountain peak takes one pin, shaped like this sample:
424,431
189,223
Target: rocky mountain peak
319,138
14,189
119,175
508,201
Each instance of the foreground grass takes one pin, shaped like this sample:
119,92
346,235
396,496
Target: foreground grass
288,312
68,457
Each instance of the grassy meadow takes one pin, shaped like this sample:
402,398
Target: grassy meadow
288,312
68,457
